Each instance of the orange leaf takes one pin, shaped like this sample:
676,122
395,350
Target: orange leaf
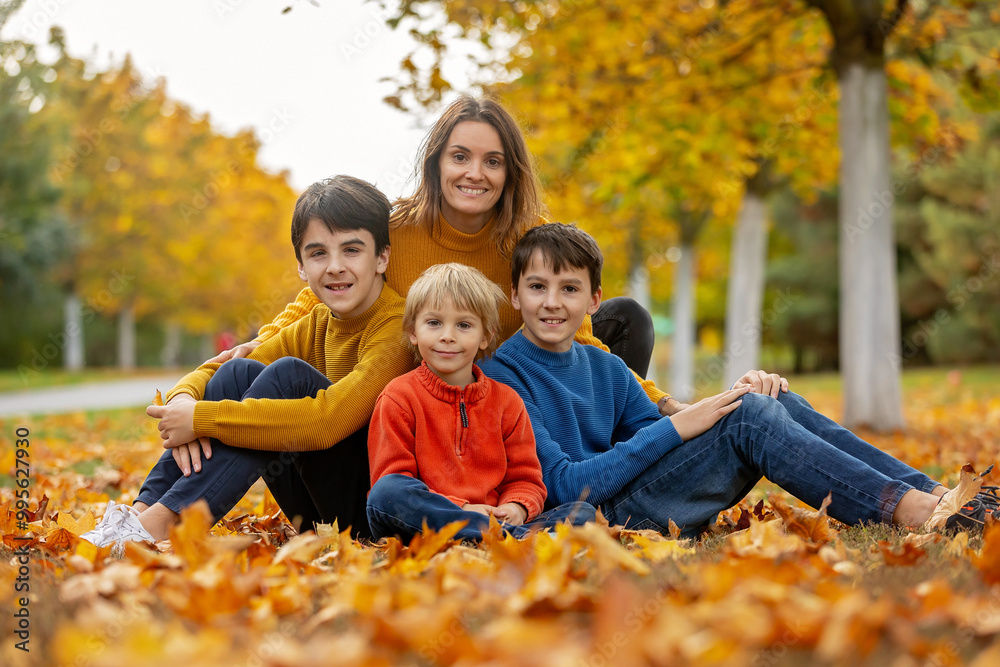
910,554
158,399
808,524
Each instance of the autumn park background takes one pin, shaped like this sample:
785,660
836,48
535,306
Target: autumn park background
806,186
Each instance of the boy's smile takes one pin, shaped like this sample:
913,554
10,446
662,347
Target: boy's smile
449,340
342,268
553,305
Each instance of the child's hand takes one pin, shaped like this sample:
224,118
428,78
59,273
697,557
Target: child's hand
701,416
765,384
176,420
476,507
189,456
511,513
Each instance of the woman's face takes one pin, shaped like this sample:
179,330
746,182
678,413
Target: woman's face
473,171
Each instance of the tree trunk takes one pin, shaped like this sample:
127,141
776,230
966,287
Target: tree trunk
638,283
682,364
73,359
126,338
170,356
745,292
869,309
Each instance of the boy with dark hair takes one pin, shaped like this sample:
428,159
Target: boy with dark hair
598,436
296,411
446,443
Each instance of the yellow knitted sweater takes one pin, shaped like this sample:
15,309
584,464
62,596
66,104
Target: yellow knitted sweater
413,251
359,356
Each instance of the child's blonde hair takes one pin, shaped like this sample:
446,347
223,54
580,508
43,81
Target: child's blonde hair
467,288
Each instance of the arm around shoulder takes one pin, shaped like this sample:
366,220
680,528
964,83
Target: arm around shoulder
293,312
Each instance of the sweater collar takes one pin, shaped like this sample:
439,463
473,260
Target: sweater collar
438,388
359,323
452,239
519,343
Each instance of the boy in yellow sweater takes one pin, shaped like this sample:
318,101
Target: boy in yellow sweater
296,411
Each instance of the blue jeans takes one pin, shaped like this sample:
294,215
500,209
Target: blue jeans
627,329
310,487
399,504
783,439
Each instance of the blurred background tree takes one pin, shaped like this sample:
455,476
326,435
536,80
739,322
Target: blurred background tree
635,111
129,224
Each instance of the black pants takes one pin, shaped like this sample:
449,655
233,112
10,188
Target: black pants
625,327
311,487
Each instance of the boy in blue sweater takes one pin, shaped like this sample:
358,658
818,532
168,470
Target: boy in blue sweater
599,438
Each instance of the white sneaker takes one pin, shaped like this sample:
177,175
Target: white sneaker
120,524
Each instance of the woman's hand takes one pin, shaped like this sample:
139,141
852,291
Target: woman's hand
698,418
670,406
238,352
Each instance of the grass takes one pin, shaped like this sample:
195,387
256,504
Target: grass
12,380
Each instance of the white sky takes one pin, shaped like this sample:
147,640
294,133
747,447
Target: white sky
306,80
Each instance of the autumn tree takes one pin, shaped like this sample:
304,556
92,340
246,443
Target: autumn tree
639,55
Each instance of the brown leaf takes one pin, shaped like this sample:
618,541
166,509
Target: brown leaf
809,524
909,555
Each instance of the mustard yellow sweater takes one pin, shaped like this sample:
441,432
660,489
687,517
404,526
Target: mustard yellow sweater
413,251
359,356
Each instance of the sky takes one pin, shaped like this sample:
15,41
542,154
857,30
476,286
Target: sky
307,81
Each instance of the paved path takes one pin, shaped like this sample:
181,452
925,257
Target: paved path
90,396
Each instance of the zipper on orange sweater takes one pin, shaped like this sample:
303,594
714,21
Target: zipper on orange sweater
465,417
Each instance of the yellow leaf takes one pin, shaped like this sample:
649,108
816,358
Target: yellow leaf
79,526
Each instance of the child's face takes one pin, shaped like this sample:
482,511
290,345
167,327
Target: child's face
449,339
473,172
342,268
552,304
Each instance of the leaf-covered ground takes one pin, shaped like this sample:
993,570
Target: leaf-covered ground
792,588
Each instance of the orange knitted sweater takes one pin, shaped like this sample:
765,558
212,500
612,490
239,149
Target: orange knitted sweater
471,444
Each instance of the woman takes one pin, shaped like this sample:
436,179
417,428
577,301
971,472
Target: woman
477,195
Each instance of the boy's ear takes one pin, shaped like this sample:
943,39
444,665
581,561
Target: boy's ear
513,298
302,273
382,262
595,302
485,343
413,338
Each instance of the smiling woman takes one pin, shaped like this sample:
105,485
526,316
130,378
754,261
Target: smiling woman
477,194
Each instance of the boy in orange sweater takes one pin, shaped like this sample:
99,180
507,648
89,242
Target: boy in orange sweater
447,443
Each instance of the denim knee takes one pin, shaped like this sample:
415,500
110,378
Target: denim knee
289,367
756,407
388,490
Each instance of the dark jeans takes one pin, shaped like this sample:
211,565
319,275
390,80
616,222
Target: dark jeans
310,487
784,439
627,329
399,504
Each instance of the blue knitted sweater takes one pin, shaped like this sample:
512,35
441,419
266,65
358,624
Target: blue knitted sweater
595,428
